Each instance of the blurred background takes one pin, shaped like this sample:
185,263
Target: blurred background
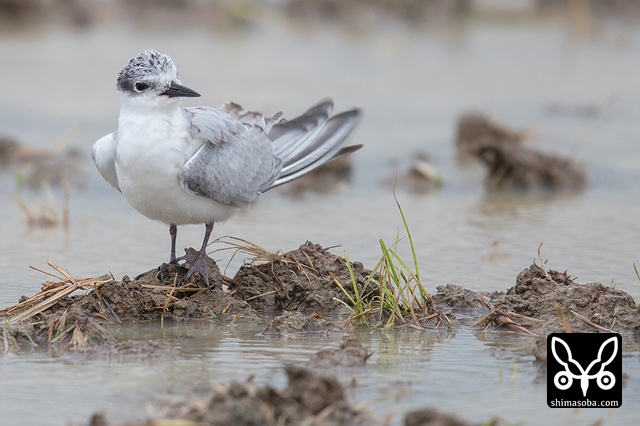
558,77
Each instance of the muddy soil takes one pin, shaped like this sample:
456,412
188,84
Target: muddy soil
309,398
543,302
297,293
556,303
328,177
313,397
349,354
415,173
510,164
547,301
295,290
295,323
302,280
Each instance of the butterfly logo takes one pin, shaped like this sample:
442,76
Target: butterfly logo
564,379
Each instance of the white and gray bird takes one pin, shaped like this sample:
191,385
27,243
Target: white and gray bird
200,165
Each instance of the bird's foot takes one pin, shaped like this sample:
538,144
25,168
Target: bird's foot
197,261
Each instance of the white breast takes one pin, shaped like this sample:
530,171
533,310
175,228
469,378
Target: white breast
150,153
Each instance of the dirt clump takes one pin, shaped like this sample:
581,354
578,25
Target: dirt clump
157,293
519,168
475,130
292,323
302,280
351,353
57,166
542,302
456,296
309,398
510,164
556,303
83,321
299,285
432,417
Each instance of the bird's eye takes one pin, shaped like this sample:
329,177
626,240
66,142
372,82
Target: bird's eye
141,86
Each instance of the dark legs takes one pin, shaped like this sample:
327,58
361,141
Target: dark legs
197,262
173,231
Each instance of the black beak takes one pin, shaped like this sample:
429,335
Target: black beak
176,90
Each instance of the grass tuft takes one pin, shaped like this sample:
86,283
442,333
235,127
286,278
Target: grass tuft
393,294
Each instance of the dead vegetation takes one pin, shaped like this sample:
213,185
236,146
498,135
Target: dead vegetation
48,318
32,167
46,214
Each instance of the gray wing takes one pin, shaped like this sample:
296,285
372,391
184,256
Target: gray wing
235,162
104,154
313,139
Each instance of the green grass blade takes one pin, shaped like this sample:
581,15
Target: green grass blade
406,227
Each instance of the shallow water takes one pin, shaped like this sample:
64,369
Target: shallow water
412,84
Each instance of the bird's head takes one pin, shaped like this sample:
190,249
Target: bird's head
152,78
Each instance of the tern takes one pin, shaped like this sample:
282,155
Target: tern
201,165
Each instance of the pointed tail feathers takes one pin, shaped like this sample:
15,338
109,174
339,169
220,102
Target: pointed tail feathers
313,139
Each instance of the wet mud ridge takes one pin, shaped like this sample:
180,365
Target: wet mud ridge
510,164
294,290
546,301
309,398
303,291
313,396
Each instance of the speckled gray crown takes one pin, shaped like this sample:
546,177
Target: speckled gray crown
148,63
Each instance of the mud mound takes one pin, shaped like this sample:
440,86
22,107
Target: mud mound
555,302
511,165
351,353
432,417
325,178
309,398
292,323
83,321
155,294
415,173
515,167
300,285
301,280
475,131
67,322
456,296
542,302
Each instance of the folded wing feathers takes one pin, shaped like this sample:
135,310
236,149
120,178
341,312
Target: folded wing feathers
289,136
297,147
328,142
321,145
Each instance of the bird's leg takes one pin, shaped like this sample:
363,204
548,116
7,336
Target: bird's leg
197,262
173,232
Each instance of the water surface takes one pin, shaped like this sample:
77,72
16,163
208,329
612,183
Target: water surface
412,85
